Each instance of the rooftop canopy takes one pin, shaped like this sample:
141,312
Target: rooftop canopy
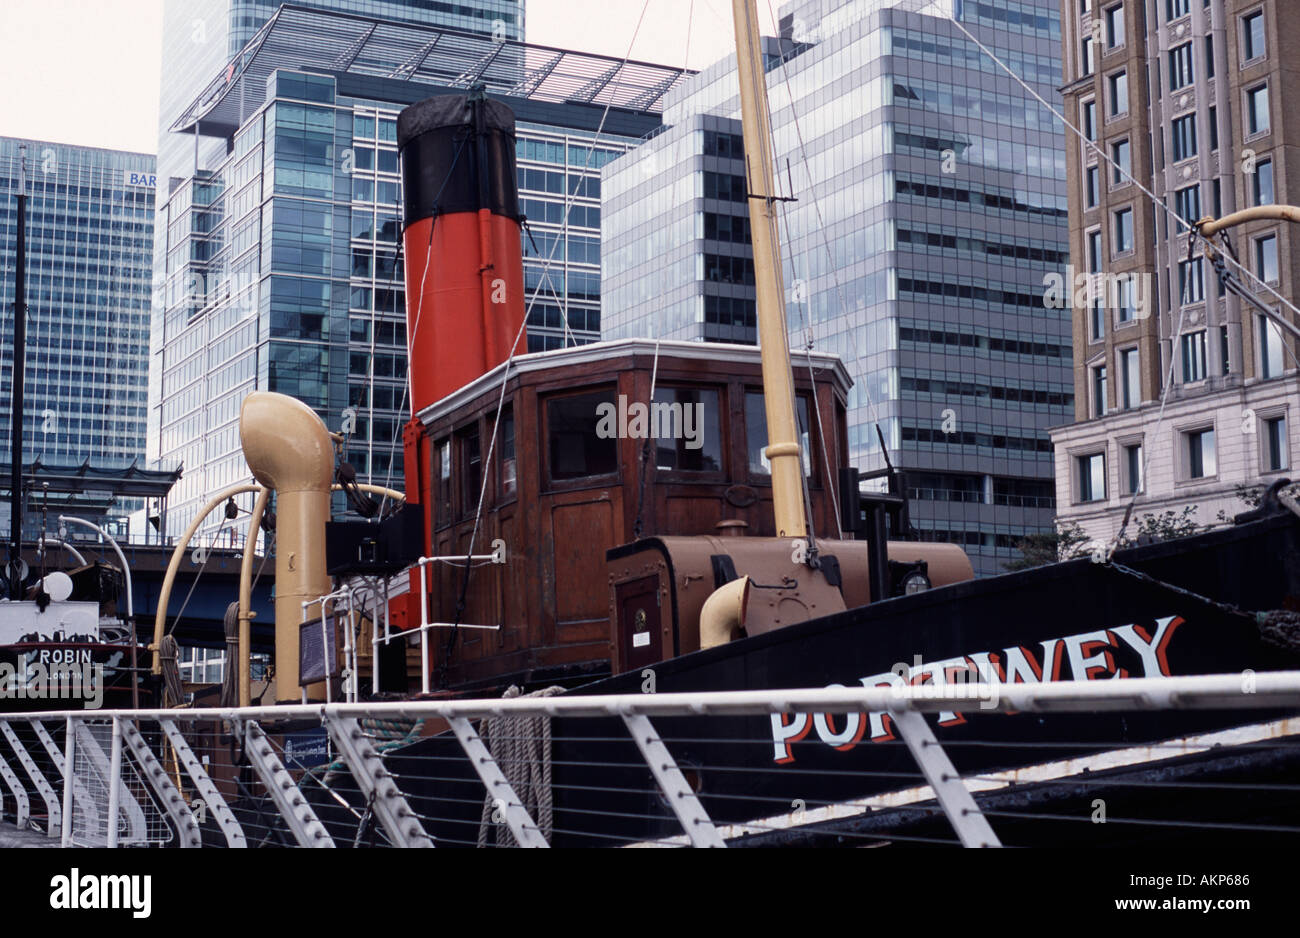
300,38
130,481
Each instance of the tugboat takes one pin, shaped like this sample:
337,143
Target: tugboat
644,515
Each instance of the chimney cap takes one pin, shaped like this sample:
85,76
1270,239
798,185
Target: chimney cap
451,110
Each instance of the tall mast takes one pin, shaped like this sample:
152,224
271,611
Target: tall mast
778,386
16,398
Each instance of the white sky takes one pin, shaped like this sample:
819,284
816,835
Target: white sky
87,71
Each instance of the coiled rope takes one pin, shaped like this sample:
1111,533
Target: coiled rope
521,747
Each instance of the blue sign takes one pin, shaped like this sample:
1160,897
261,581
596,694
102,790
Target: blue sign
306,749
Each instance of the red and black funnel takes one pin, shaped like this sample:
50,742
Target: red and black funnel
464,266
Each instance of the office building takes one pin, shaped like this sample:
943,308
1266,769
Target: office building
928,214
90,231
281,264
1188,97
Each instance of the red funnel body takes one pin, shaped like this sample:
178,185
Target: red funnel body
464,264
462,317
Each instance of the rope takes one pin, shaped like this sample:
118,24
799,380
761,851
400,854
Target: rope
522,750
173,693
230,673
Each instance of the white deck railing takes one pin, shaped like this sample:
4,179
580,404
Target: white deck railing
542,768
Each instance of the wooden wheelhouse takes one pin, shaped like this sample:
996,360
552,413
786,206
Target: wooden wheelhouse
564,483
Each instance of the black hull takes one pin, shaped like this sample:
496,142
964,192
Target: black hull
1254,567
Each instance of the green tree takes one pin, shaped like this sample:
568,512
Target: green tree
1067,542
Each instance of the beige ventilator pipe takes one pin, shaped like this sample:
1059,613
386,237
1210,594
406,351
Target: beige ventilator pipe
246,583
723,615
164,596
778,386
1211,226
288,449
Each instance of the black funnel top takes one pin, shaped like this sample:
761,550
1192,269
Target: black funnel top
458,155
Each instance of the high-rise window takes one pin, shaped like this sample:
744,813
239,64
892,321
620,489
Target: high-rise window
1257,118
1252,36
1124,299
1114,26
1199,451
1276,449
1272,353
1088,117
1266,258
1094,251
1099,391
1261,183
1187,203
1097,319
1184,137
1130,379
1118,93
1133,468
1177,8
1085,57
1209,56
1193,353
1091,185
1092,477
1123,230
1191,281
1181,73
1122,168
1214,128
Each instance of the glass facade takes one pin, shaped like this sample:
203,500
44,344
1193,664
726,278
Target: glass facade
931,213
90,229
281,267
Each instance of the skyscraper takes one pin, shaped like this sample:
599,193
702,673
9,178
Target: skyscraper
929,210
1184,393
90,230
280,263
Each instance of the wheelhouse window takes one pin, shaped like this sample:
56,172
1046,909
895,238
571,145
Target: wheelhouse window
687,425
469,454
507,450
582,432
444,480
756,433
